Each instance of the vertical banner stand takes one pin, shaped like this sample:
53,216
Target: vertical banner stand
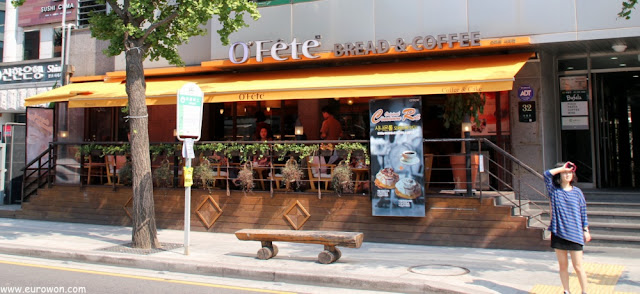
188,129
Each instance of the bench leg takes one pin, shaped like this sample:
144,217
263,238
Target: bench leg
268,250
329,255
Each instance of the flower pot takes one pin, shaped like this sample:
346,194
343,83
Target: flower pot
458,167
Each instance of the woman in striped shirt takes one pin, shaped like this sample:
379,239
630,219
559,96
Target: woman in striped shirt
569,227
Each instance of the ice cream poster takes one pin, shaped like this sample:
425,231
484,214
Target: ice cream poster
397,163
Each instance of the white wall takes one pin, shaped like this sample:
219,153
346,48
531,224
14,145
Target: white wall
340,21
13,35
46,42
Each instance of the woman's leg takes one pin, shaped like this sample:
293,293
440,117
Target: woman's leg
576,260
563,268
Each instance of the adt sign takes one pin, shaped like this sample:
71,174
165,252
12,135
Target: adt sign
525,93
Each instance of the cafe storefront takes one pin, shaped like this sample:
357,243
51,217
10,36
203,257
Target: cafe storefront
366,84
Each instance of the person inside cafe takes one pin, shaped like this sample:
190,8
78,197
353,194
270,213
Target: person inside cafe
260,124
331,129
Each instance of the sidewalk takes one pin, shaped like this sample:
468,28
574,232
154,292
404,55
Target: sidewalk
374,266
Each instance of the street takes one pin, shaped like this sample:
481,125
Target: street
33,275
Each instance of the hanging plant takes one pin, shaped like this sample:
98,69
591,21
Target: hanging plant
351,147
115,149
300,149
341,178
245,177
126,174
259,149
162,176
204,173
291,173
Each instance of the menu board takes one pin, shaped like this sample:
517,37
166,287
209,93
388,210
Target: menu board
397,163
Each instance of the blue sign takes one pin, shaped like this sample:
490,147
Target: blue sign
525,93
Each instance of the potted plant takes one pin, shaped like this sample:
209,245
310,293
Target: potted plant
459,108
163,176
245,177
291,172
204,173
342,178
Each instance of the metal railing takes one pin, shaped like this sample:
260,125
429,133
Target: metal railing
37,173
498,173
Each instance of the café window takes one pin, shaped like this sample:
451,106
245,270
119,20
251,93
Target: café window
31,45
57,42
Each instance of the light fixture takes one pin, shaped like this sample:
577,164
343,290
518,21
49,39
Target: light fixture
619,47
570,67
350,101
63,134
635,76
623,64
466,127
221,110
245,110
268,109
299,130
614,57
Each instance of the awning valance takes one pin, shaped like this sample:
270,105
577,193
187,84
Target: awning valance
441,76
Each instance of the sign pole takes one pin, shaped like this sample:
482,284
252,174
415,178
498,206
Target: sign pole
187,212
188,129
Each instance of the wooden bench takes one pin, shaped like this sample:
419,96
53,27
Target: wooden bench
328,238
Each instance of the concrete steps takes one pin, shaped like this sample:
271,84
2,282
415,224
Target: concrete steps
614,218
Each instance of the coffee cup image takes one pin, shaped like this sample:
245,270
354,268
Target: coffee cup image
409,156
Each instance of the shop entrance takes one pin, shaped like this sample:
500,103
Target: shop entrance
616,102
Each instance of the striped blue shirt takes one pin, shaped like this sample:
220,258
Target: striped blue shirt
568,211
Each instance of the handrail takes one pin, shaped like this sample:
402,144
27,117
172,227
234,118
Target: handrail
39,157
28,171
512,158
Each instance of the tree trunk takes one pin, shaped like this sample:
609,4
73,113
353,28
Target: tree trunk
144,233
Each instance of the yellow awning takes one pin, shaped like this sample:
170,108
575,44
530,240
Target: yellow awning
455,75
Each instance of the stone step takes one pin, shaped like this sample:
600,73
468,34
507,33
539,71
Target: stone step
607,240
613,216
618,229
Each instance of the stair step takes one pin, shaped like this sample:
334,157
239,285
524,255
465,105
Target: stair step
618,229
614,240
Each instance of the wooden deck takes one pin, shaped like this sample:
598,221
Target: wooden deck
449,221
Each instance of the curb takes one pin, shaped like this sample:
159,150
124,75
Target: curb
350,282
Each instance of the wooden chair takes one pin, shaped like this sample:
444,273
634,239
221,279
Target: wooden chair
428,163
319,172
276,175
218,173
94,169
113,165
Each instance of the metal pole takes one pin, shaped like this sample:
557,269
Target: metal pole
467,159
187,213
62,61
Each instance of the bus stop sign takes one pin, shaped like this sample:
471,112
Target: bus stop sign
189,112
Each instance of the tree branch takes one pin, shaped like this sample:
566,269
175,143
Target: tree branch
116,9
150,29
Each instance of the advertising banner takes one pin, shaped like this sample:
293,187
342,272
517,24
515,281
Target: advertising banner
397,163
39,131
574,103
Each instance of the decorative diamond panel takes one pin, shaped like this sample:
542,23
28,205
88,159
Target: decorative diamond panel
208,211
128,208
296,215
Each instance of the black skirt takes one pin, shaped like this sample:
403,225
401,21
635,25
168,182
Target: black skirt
563,244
